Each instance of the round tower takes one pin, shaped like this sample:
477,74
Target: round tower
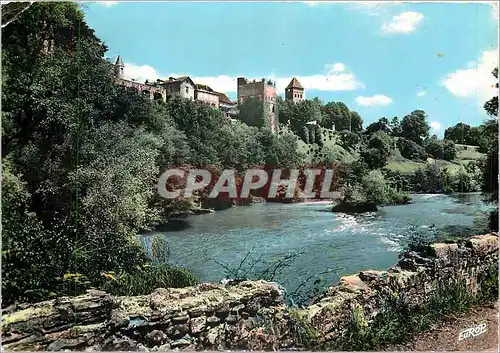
119,67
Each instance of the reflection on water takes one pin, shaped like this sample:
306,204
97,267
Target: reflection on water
344,243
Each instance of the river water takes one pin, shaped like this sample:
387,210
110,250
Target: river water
319,240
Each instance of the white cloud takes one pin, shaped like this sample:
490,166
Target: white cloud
338,67
377,99
372,8
405,22
140,73
476,80
421,94
108,3
435,126
335,77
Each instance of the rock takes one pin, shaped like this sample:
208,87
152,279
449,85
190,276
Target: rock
180,343
483,244
177,331
118,343
156,338
373,276
213,321
213,335
245,315
232,319
237,309
355,208
198,325
180,319
353,283
222,313
443,250
62,344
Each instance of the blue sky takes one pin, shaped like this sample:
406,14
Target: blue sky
381,59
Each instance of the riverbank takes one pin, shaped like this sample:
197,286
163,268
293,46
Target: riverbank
320,239
252,315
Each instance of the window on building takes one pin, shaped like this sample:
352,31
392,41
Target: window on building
273,108
187,90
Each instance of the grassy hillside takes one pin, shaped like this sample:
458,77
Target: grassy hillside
466,153
333,149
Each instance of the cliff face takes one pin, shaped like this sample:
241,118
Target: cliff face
247,315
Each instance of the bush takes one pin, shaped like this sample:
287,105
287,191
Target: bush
349,139
382,142
374,158
374,187
435,148
411,150
145,279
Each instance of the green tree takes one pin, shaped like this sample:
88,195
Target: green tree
356,122
491,106
460,133
318,135
414,126
395,126
381,125
490,172
449,150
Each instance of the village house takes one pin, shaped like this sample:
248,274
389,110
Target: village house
227,106
182,87
205,94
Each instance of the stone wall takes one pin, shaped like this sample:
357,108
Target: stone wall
250,315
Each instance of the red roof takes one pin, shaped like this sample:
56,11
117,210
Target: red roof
294,83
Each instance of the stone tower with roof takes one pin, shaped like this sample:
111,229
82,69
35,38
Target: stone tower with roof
294,91
119,67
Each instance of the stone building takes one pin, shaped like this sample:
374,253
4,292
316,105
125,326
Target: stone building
227,106
262,90
182,87
294,91
154,91
205,94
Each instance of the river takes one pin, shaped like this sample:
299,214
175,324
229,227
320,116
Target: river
320,240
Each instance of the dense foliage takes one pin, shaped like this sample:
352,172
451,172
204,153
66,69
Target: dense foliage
82,156
490,172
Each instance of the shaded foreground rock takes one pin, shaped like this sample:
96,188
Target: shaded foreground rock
249,315
355,208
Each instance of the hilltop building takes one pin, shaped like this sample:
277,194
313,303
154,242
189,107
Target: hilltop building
294,91
262,90
183,87
152,90
227,106
204,93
